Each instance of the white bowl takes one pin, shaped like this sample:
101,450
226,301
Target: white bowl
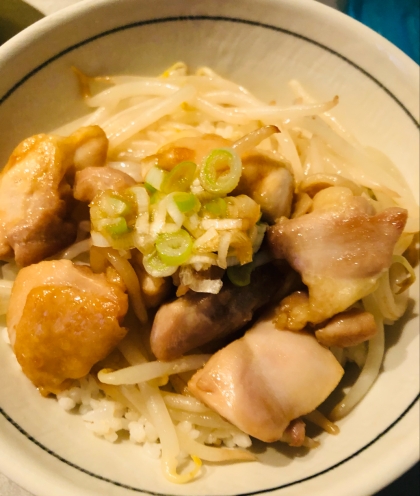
260,44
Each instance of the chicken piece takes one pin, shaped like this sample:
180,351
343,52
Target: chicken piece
348,328
35,194
269,183
268,378
292,313
195,319
90,181
63,319
340,249
91,147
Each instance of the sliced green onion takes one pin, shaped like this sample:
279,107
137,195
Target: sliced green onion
155,178
179,178
174,248
173,211
240,275
114,205
116,227
140,197
150,189
221,171
217,207
156,197
186,202
156,267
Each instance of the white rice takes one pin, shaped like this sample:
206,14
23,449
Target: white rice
113,421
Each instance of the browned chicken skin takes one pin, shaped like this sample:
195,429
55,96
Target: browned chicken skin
63,319
35,193
269,183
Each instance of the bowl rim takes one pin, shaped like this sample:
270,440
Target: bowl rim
40,27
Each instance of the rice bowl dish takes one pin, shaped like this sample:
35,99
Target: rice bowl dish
377,141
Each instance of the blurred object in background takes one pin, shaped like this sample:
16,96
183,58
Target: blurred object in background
50,6
15,15
396,20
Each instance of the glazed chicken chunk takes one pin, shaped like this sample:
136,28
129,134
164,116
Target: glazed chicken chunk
63,319
268,378
36,194
340,249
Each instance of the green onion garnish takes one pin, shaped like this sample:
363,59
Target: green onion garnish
216,207
179,178
221,171
150,189
116,227
174,248
156,267
113,205
186,202
155,178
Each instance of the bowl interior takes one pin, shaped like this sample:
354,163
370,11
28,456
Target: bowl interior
261,45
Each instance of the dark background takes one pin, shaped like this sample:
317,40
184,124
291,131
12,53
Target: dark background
407,485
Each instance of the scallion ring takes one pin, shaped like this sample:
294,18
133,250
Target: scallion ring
221,171
174,248
156,267
186,202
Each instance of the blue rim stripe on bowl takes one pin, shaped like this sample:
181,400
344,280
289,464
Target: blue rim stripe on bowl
208,18
254,493
218,19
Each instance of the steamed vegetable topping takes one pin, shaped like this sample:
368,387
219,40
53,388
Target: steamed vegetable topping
183,216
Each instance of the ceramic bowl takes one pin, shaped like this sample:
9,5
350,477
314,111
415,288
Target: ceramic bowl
261,44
